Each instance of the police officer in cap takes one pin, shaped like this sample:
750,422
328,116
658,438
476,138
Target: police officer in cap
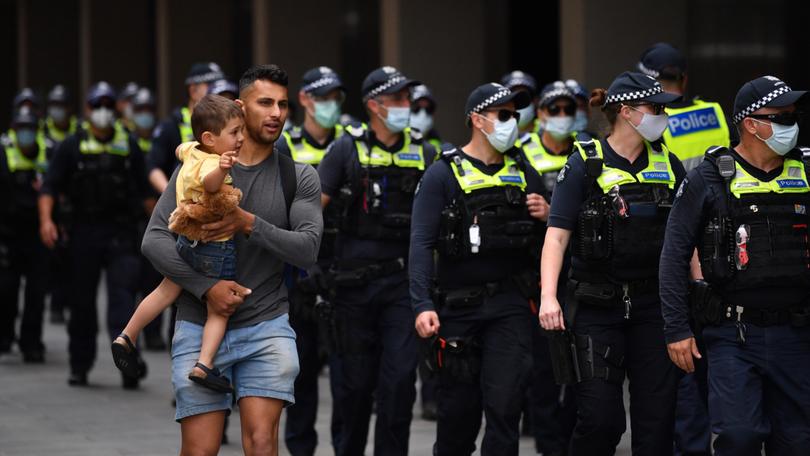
59,121
744,208
373,173
583,115
423,111
481,208
224,88
22,254
101,169
177,128
611,204
524,82
26,98
321,97
694,124
123,105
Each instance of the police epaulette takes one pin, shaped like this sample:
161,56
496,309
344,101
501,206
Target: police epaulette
525,138
295,134
356,130
5,140
593,163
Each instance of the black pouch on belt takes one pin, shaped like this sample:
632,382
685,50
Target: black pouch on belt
596,294
563,352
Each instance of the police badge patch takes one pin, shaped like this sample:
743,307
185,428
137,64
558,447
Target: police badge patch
562,174
681,188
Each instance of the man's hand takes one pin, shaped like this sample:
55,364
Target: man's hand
538,206
427,324
227,159
238,221
551,315
48,233
681,353
225,296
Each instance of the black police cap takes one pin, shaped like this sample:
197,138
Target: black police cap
764,92
422,91
59,94
577,89
26,94
385,80
321,80
494,94
143,98
637,87
221,86
129,91
555,91
662,60
519,78
100,90
204,72
24,116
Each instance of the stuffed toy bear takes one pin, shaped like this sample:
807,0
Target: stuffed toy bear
189,217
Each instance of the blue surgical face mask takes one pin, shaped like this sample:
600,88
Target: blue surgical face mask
26,137
580,121
57,113
783,139
327,113
526,115
559,127
422,121
144,120
397,119
504,134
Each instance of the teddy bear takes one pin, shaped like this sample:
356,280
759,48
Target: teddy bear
189,217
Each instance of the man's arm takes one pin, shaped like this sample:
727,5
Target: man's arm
54,182
159,247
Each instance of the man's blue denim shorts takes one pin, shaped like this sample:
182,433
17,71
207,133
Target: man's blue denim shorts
261,361
213,259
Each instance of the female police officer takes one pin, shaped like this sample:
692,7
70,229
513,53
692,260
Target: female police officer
614,196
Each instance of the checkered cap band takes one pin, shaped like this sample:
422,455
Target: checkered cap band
560,92
630,96
394,80
317,84
648,71
760,103
489,101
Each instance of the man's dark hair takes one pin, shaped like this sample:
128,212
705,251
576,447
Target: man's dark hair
212,113
267,72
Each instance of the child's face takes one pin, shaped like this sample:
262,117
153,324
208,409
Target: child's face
230,138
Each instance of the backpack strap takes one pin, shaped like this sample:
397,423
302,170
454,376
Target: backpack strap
289,180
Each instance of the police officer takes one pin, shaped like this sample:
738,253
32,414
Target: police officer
321,97
694,125
611,204
373,172
583,115
22,254
59,121
551,407
524,82
177,128
224,88
479,207
744,208
123,105
423,110
101,170
26,98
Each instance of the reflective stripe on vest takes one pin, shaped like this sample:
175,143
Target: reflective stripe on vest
792,180
693,129
304,152
58,135
145,144
409,156
658,170
539,157
186,134
471,178
118,146
18,162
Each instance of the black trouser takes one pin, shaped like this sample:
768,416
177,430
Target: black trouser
653,381
95,247
377,359
60,277
502,327
22,256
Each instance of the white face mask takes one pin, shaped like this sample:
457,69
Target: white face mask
580,121
559,127
783,139
652,126
102,118
397,119
504,135
526,115
422,121
57,113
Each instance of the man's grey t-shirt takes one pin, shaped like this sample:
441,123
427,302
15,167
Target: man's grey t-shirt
260,257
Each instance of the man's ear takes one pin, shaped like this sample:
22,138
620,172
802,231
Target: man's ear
749,125
373,106
303,99
207,138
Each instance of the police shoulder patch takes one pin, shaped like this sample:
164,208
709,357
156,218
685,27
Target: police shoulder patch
681,188
563,173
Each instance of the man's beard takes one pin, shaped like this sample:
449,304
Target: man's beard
263,138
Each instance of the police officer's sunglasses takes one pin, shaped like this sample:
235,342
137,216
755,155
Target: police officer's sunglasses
568,109
504,114
102,103
782,118
416,107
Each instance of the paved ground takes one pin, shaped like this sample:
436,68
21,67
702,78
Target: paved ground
41,415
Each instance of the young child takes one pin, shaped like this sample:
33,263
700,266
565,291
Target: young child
202,183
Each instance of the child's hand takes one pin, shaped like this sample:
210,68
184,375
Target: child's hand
227,159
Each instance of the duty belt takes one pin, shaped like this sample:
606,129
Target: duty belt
797,316
353,273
